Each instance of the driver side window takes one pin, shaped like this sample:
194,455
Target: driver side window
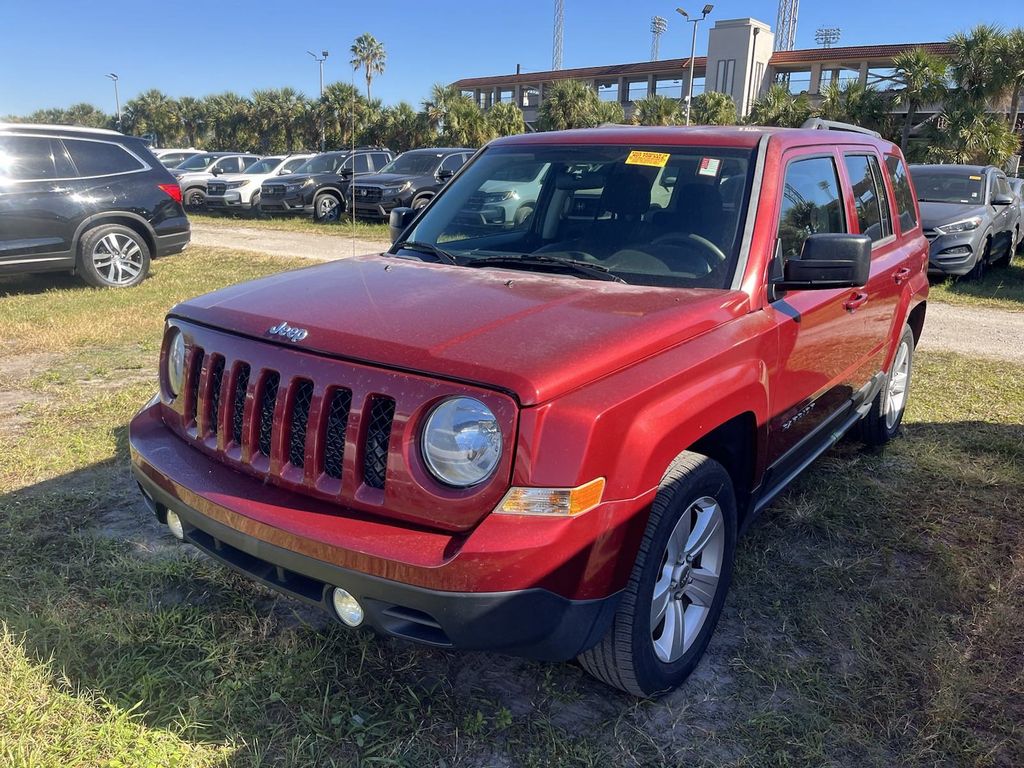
811,203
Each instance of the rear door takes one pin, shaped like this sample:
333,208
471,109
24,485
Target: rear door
1005,216
38,211
822,341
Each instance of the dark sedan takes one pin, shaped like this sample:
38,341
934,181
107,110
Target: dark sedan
969,217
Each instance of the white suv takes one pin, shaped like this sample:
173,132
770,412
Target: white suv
241,191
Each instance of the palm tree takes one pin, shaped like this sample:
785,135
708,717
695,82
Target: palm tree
1013,62
568,104
977,65
192,113
368,52
440,101
608,112
656,110
506,119
713,108
87,115
922,77
465,125
971,135
153,112
854,103
229,119
780,107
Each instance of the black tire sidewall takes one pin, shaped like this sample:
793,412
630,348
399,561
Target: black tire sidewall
654,675
189,193
421,202
86,268
316,207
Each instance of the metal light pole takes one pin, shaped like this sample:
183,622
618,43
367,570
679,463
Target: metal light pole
117,99
320,60
693,50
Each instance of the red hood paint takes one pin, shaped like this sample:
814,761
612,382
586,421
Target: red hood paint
536,336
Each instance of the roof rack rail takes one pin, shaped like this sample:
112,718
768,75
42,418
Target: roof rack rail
817,124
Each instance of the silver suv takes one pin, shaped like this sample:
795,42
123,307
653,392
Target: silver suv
241,191
194,173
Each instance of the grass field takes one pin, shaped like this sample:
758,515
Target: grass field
1001,288
367,230
874,619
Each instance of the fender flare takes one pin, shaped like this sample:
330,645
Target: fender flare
112,217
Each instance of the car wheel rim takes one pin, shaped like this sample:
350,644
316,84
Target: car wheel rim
117,259
899,378
328,208
195,200
688,579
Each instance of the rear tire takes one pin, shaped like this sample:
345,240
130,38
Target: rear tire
113,256
1011,249
676,591
882,423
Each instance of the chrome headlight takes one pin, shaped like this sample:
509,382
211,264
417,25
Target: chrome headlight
461,442
237,184
175,363
965,225
500,197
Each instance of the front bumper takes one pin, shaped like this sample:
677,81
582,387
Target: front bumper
296,202
230,200
488,589
954,254
379,209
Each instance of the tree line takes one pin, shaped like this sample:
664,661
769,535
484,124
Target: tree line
986,68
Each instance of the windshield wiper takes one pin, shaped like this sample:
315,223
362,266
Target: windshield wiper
527,260
440,253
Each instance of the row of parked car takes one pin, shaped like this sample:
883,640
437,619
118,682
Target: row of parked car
372,181
101,205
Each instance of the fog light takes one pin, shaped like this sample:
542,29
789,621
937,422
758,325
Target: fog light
174,523
347,607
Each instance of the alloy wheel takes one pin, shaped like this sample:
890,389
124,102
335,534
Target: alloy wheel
117,258
327,208
691,568
896,392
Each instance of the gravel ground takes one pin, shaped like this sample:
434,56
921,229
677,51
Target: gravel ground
992,333
282,243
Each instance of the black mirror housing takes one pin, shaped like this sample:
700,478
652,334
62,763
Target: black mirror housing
1002,200
400,219
829,261
445,174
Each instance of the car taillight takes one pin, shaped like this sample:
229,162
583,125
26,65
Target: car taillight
172,190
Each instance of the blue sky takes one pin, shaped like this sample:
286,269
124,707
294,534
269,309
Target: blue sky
55,52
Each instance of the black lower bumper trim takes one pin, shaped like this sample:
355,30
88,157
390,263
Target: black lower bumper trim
534,623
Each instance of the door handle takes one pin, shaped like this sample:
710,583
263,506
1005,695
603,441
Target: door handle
855,302
901,275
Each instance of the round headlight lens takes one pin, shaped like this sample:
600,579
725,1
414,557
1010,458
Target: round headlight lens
176,363
461,442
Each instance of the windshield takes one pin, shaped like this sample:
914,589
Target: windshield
643,215
949,187
321,164
266,165
414,164
197,162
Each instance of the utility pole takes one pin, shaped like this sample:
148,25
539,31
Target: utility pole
320,60
117,99
658,27
693,50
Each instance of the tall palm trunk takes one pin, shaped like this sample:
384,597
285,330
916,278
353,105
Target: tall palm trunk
1015,106
907,125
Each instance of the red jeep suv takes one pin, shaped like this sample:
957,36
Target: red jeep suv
542,435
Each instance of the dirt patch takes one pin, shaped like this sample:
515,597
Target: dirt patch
17,407
303,245
975,331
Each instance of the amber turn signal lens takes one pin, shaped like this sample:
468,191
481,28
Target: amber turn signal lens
557,502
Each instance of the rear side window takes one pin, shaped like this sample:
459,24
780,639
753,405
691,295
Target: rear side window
453,163
27,158
100,158
362,163
379,160
868,196
901,189
291,165
811,203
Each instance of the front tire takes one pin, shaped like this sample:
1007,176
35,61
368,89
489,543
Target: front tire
882,423
421,202
195,199
326,208
113,256
678,586
1011,249
978,271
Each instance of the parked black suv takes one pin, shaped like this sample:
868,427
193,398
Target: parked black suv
320,184
409,182
91,201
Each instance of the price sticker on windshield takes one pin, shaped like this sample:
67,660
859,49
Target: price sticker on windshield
652,159
709,166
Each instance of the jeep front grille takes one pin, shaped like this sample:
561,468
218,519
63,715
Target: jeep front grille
250,404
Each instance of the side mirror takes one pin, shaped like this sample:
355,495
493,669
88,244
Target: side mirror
1002,200
400,219
216,170
444,174
829,261
346,172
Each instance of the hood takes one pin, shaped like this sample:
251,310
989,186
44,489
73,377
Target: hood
254,177
384,179
936,214
534,335
191,174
